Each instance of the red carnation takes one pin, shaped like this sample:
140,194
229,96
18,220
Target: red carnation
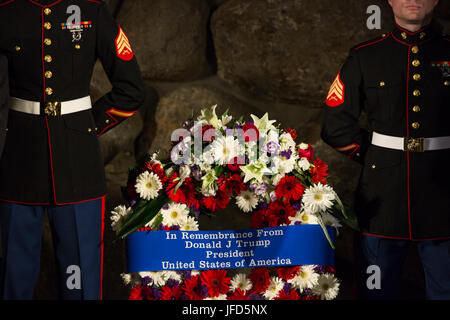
231,183
157,169
216,281
292,132
330,269
281,211
265,218
185,193
193,288
319,171
139,293
171,293
308,153
238,294
208,133
251,133
287,273
289,188
235,163
260,278
219,201
258,219
292,295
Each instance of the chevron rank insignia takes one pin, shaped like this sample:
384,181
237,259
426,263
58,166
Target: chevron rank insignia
123,46
335,95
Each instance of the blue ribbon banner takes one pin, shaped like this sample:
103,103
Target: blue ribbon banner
228,249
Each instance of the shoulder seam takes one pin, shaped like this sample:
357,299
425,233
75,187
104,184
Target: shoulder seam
372,42
96,1
7,2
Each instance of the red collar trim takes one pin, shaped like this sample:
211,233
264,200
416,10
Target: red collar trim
412,33
43,5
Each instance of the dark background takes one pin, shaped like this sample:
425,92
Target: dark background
251,56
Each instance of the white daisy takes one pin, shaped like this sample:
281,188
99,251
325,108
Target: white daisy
174,214
307,218
158,277
226,149
195,273
327,287
189,224
132,279
286,141
172,275
286,165
219,297
247,201
148,185
240,281
118,215
303,164
306,278
274,288
303,146
329,220
318,198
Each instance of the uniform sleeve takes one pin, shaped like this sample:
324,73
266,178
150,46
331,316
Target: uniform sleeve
343,107
118,60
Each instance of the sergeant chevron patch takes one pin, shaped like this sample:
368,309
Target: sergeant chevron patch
336,93
123,46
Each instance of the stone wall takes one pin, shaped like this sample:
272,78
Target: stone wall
251,56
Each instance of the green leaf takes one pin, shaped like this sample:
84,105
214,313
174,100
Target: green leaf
142,214
325,231
158,221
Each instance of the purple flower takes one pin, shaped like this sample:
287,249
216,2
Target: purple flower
146,281
229,132
156,293
296,205
271,147
255,296
320,269
133,202
172,283
262,205
287,154
259,189
287,287
273,196
204,290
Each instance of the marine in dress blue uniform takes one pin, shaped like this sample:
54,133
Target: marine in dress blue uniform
52,159
402,81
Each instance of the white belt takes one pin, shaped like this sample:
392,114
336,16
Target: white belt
51,108
411,144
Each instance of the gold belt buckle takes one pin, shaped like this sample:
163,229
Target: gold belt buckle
53,109
413,144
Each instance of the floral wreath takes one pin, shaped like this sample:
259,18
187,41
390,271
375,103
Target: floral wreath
269,175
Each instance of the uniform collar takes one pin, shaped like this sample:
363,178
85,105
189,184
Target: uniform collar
410,38
45,3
